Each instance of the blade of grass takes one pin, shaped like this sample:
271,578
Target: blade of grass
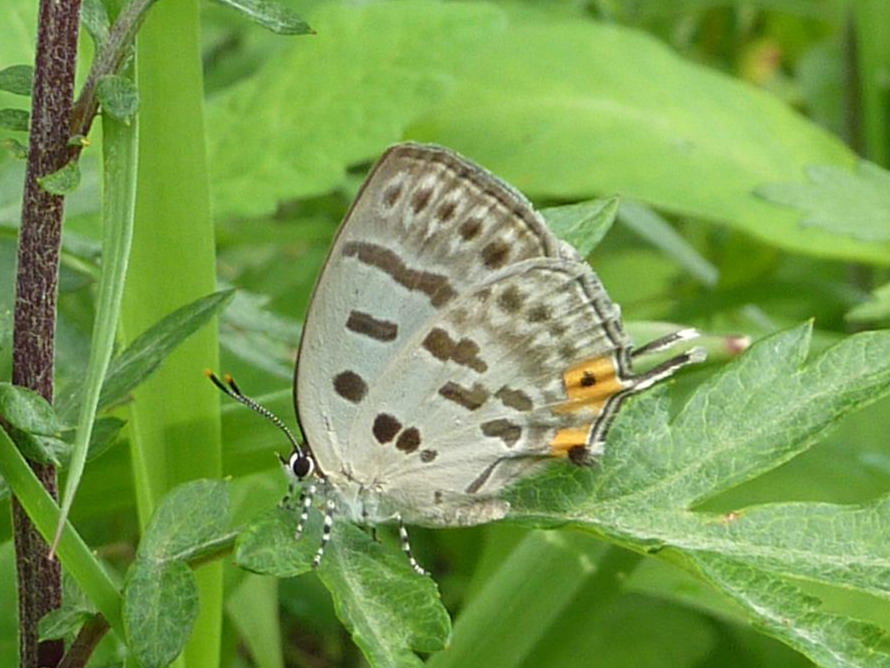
174,420
119,195
75,555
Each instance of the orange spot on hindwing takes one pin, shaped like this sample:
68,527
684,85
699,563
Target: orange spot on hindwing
567,439
589,384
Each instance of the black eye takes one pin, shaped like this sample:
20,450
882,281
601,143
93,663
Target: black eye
301,464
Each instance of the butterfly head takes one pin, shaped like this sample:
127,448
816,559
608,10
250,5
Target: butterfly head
299,465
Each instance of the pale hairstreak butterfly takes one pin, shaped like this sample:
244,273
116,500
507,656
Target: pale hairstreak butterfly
453,346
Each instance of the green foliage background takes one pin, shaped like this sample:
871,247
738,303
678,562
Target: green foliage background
726,525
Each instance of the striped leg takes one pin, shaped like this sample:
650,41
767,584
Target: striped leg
406,548
329,509
306,503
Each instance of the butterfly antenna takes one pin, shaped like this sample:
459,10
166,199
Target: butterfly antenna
230,388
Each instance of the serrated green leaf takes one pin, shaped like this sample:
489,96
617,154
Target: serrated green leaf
583,225
387,607
769,405
761,410
160,608
271,15
840,201
63,181
17,79
407,61
26,410
785,612
149,349
192,518
15,119
118,96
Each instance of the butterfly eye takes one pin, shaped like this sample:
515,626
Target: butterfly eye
301,464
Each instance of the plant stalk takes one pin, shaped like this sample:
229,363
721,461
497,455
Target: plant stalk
39,578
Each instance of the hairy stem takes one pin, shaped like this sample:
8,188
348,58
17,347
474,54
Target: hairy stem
39,578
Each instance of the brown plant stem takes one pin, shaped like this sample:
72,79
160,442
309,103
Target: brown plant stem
39,578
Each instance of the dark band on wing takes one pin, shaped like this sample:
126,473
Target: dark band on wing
435,286
367,325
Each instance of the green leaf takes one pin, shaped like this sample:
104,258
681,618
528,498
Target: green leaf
271,15
160,608
840,201
94,17
387,607
268,545
63,622
63,181
583,225
27,410
787,613
877,308
766,407
16,148
118,96
568,109
190,521
357,97
149,349
17,79
259,336
15,119
161,592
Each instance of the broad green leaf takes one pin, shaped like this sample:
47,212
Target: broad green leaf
271,15
118,96
583,225
192,519
161,592
835,199
572,109
16,148
63,181
764,408
160,608
387,607
333,100
787,613
14,119
17,79
268,545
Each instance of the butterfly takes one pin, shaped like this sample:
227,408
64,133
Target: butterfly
453,346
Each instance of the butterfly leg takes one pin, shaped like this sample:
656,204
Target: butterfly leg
329,509
306,503
406,548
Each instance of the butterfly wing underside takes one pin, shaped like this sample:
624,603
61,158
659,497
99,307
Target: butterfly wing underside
453,343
